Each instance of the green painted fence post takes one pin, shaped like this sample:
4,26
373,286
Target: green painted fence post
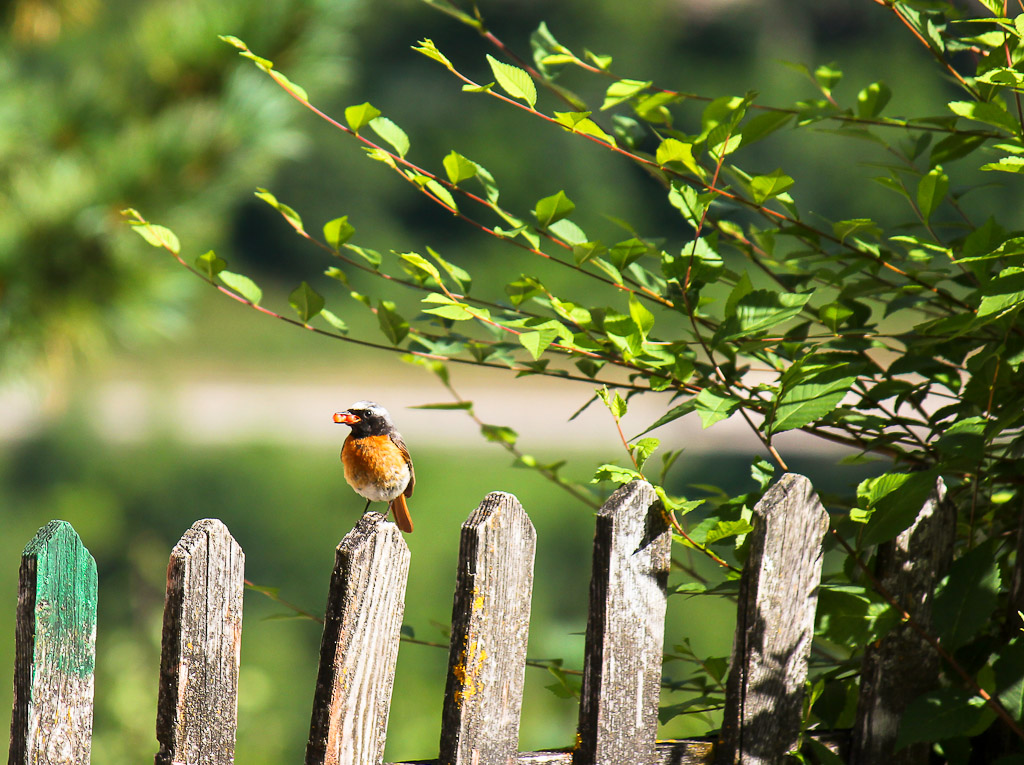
55,650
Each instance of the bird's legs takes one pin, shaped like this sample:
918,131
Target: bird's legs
367,507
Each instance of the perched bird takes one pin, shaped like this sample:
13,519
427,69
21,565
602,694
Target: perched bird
377,463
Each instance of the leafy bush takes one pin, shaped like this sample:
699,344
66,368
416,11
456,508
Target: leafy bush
893,332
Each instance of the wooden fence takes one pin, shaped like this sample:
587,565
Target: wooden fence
196,714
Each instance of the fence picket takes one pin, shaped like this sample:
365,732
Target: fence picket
774,625
55,650
359,648
490,627
202,632
904,665
625,630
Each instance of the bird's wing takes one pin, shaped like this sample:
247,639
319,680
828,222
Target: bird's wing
396,439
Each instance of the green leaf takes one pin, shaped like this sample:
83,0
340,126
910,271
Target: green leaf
967,596
391,133
458,167
209,265
243,285
1006,165
674,150
158,236
448,308
286,212
361,115
894,500
394,327
460,276
931,190
553,208
990,112
306,302
764,187
335,321
422,264
467,405
338,231
1003,293
713,407
514,81
499,434
428,49
615,474
845,228
370,256
621,90
872,100
616,404
643,318
945,713
536,342
761,310
1009,673
725,529
810,397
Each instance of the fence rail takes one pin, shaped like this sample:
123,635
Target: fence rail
197,701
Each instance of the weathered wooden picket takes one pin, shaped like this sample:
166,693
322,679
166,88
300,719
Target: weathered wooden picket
196,715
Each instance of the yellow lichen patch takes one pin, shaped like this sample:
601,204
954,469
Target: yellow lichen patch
467,672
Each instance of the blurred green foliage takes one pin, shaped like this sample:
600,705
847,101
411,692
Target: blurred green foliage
102,103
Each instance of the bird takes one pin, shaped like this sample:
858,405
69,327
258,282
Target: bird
376,461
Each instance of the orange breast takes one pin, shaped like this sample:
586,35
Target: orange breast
375,467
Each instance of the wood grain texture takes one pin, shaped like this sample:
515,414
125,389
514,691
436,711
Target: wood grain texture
903,665
55,650
774,626
359,648
490,628
202,632
697,751
625,630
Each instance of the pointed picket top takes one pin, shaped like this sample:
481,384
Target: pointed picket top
55,651
490,629
202,630
625,630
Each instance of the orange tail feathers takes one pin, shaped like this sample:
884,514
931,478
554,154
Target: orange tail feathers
401,512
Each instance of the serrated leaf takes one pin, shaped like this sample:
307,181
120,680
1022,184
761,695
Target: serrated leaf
894,500
674,150
209,265
391,133
243,285
810,398
1003,293
306,301
442,194
370,256
338,231
514,81
992,113
536,342
713,407
764,187
760,310
553,208
361,115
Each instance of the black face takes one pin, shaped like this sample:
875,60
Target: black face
366,419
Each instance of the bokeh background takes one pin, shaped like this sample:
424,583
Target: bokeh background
133,400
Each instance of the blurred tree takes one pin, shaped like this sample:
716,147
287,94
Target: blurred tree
101,103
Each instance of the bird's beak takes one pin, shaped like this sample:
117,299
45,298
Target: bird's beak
346,418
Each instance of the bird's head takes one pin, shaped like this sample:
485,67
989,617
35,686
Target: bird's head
366,418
